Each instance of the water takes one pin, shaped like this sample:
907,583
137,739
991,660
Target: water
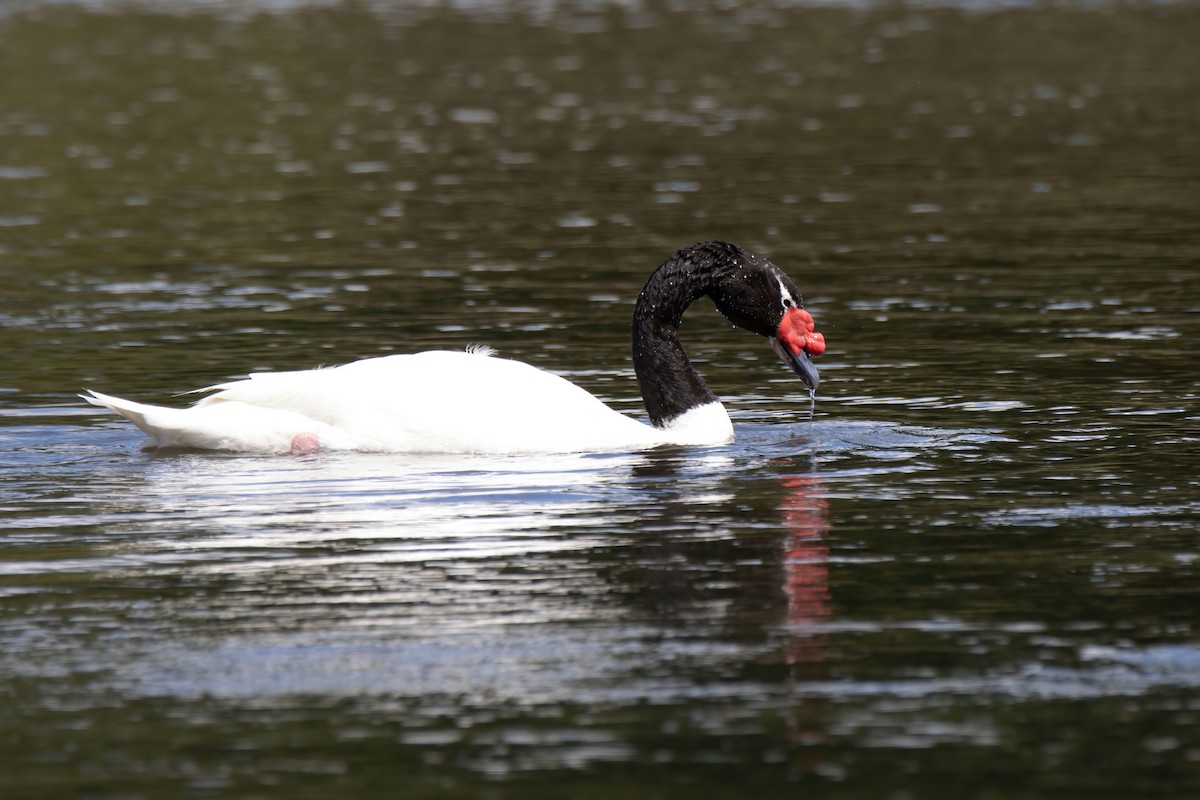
970,571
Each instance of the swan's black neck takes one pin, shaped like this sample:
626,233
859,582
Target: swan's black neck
669,383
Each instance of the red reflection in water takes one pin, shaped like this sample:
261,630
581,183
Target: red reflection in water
806,566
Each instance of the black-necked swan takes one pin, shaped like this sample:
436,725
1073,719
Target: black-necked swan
473,402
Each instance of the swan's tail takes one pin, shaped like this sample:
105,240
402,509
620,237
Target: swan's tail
157,428
218,424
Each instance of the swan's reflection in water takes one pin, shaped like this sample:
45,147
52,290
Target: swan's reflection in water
530,580
401,508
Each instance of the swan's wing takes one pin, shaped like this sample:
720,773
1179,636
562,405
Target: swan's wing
441,401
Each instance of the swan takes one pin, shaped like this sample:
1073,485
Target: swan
475,402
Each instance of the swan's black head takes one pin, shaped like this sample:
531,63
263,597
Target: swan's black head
758,296
750,291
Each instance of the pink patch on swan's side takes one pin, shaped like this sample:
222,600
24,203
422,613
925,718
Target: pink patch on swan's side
305,443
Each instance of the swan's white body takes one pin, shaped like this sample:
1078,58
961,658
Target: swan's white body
431,402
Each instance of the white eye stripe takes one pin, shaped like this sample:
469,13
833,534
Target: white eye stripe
785,297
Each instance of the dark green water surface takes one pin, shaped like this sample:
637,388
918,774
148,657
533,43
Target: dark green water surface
970,572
